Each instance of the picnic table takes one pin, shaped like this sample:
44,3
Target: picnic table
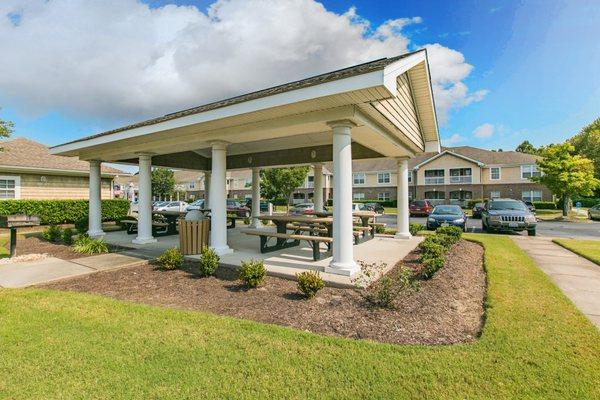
364,216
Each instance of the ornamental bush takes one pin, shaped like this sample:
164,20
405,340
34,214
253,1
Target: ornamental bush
309,283
431,249
431,265
63,211
252,273
52,233
415,228
453,231
170,259
67,236
86,245
209,261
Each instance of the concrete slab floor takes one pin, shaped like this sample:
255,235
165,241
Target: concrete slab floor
578,278
288,262
25,274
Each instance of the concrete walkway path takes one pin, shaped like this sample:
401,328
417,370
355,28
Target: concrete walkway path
30,273
578,278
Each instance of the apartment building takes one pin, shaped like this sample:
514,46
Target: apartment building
456,174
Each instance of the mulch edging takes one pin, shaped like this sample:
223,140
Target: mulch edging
448,308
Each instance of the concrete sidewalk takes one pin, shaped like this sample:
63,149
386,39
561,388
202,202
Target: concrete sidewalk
578,278
30,273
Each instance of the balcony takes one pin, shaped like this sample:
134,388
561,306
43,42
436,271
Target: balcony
461,179
437,180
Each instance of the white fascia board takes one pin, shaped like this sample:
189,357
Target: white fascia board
54,171
395,69
358,82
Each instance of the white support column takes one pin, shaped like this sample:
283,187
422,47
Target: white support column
402,214
343,253
218,199
207,177
95,200
318,187
256,224
144,235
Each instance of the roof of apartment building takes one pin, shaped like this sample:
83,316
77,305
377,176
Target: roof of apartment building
486,157
26,154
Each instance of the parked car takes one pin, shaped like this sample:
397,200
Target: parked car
508,215
478,209
594,212
530,206
158,203
358,207
196,205
236,207
447,215
302,208
264,205
375,207
171,206
420,208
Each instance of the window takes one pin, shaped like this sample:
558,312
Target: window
383,177
311,181
10,187
434,177
461,195
192,185
383,196
461,175
299,196
435,195
248,182
528,171
495,173
358,196
410,176
358,178
495,194
531,195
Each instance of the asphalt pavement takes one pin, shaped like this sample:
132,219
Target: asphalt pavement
584,229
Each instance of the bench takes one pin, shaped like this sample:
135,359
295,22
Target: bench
232,219
283,241
156,231
364,230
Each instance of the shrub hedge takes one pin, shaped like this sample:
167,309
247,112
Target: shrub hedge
544,205
585,202
63,211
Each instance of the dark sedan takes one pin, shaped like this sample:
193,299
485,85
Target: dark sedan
264,205
235,207
477,209
447,215
419,208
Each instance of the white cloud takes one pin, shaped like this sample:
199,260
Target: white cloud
120,59
452,140
484,131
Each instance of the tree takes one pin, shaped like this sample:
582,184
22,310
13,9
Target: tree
6,128
163,181
587,144
565,174
281,182
526,147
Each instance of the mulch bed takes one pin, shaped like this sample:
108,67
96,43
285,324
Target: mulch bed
36,245
448,308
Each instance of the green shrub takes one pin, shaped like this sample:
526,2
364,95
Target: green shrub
67,236
386,290
379,229
309,283
454,231
544,205
52,233
63,211
81,225
252,272
431,249
415,228
431,265
171,259
86,245
471,203
444,240
209,261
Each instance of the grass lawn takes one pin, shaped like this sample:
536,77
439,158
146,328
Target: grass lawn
589,249
535,344
549,215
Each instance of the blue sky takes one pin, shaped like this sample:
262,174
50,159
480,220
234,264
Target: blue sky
537,60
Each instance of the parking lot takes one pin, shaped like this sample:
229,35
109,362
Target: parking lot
582,229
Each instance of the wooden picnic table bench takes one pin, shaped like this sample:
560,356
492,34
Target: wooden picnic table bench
132,225
285,240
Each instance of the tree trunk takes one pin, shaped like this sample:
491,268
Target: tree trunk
566,201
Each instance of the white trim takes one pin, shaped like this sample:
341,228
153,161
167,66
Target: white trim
499,174
364,176
389,176
17,189
532,170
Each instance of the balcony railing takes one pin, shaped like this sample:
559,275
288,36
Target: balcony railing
461,179
438,180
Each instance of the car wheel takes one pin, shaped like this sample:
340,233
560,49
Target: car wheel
531,232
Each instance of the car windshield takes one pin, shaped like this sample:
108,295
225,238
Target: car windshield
479,205
198,202
508,205
447,210
418,203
